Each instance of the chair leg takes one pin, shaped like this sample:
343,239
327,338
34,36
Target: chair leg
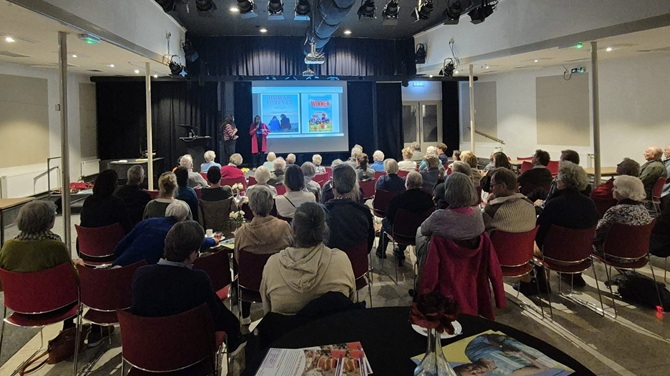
546,281
537,285
608,270
653,275
370,288
665,270
77,339
2,328
600,296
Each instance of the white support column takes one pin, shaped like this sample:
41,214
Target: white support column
596,112
150,144
64,139
472,108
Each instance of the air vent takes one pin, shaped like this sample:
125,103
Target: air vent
12,54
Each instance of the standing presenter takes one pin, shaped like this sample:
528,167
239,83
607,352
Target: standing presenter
227,139
258,132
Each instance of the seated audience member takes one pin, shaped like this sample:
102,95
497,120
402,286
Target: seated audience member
430,175
652,169
262,176
566,155
269,161
194,178
407,164
265,234
377,161
391,181
295,194
309,171
629,210
146,241
471,159
102,208
665,195
507,210
500,160
356,151
232,169
172,286
441,150
215,192
134,197
363,170
492,163
210,158
316,159
536,182
414,200
455,166
167,185
430,151
299,274
660,235
456,155
349,222
184,192
290,159
603,195
277,177
327,189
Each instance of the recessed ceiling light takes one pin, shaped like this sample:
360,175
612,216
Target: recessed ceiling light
455,72
137,71
263,30
155,76
111,65
431,76
234,9
487,67
537,61
608,49
74,55
9,40
347,32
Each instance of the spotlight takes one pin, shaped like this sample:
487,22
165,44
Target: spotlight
205,5
176,69
453,12
246,8
167,5
367,9
189,52
448,68
302,10
478,15
420,54
391,10
423,9
275,10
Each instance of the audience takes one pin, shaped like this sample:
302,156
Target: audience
363,171
652,169
277,177
536,182
269,161
134,197
327,189
309,170
295,194
232,169
378,161
603,196
262,176
492,160
441,150
265,234
210,158
194,178
167,184
186,193
471,159
391,181
102,208
290,159
316,159
172,286
430,175
566,155
215,192
507,210
430,151
407,164
301,273
355,152
660,236
349,222
456,155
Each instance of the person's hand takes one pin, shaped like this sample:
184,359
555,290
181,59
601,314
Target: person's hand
236,137
78,261
538,202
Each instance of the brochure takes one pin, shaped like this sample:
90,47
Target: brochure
346,359
495,353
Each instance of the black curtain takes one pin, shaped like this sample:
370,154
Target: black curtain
450,115
361,109
243,118
121,119
389,119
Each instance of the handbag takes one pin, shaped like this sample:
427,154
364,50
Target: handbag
59,349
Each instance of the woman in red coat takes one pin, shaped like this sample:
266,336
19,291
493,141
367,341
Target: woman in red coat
259,132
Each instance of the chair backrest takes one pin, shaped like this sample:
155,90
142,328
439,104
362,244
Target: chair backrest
628,241
231,181
170,343
406,222
217,267
40,292
514,249
252,181
382,200
403,173
204,175
281,189
525,166
553,168
657,190
250,269
99,241
568,246
368,187
524,158
321,178
107,289
152,193
379,173
215,214
358,255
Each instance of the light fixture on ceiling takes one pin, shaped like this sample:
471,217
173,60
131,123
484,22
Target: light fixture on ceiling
89,38
609,49
9,39
234,9
478,15
448,68
275,10
420,54
453,12
176,69
423,10
263,30
302,10
155,76
347,32
74,56
137,71
367,9
390,13
110,65
246,8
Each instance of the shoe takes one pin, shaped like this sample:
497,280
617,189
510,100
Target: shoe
237,362
576,280
245,320
96,338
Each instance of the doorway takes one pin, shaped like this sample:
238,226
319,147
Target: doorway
422,123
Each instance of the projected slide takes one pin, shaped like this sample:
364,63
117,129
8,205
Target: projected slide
302,116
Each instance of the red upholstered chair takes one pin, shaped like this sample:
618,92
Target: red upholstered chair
217,267
171,343
515,251
230,182
405,224
368,187
525,166
382,200
524,158
41,298
321,178
249,274
281,189
553,167
655,200
252,181
626,243
329,172
97,244
403,173
379,173
204,175
360,262
566,250
152,193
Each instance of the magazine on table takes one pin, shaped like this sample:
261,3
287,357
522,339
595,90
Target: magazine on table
497,354
347,359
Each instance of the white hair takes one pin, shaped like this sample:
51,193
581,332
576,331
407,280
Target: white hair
290,159
236,159
210,155
378,156
186,161
178,209
262,175
271,156
316,159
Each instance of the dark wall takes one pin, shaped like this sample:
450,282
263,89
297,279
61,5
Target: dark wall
450,115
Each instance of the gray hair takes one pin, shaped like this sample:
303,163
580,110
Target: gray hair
178,209
135,175
344,179
210,155
36,216
378,156
413,180
236,159
628,167
308,169
279,164
271,156
630,187
261,201
459,191
431,150
470,158
316,159
572,176
460,166
391,166
335,162
290,158
182,240
262,175
356,151
186,161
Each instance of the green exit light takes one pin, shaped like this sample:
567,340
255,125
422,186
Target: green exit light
90,39
579,45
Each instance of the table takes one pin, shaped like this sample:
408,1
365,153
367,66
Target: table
7,204
121,166
604,171
389,341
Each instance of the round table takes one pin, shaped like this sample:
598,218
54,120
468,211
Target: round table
389,340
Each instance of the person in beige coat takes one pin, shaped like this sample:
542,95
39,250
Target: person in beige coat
301,273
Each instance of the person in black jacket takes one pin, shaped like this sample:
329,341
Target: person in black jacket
133,196
102,208
536,182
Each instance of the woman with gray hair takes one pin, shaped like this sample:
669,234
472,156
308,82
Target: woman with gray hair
391,181
316,159
277,177
194,178
309,170
265,234
262,176
210,157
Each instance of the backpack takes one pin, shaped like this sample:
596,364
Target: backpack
640,289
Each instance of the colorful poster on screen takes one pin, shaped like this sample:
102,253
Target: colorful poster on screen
280,112
320,113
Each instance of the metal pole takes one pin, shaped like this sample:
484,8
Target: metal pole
472,109
596,112
64,139
150,146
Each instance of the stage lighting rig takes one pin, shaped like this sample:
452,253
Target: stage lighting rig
423,10
246,8
478,15
275,10
391,10
448,67
302,10
420,54
367,9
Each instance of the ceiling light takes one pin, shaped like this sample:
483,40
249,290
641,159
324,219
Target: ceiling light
111,65
176,69
246,8
367,9
423,9
448,67
9,40
275,10
263,30
455,72
609,49
74,56
302,10
579,45
234,9
536,61
391,10
155,76
137,71
89,38
453,12
347,32
420,54
431,76
487,67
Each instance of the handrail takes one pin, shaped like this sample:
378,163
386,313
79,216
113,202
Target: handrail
496,139
49,174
